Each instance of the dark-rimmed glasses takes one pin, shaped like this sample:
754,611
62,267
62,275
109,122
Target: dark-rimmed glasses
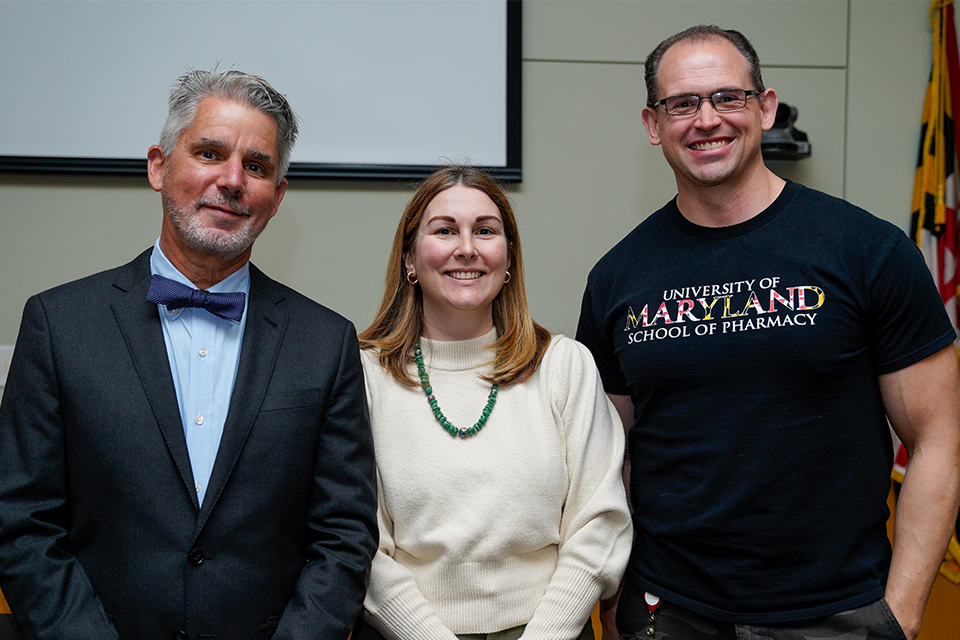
727,100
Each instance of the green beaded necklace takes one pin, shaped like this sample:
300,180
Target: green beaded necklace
442,419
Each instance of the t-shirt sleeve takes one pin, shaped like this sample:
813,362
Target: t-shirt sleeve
593,333
907,320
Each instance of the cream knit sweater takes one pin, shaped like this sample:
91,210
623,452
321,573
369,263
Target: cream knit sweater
523,523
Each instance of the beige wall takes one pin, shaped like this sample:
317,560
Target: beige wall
856,70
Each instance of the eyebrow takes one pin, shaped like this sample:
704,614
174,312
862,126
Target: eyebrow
446,218
264,157
208,142
709,94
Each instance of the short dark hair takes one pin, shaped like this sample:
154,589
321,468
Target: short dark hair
700,33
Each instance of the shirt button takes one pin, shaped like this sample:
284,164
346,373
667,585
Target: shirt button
198,419
197,486
202,352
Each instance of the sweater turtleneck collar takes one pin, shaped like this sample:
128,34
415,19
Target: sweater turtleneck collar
459,355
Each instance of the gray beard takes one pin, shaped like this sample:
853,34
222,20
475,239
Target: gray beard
226,245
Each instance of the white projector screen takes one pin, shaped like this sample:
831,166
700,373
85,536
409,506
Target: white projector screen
384,88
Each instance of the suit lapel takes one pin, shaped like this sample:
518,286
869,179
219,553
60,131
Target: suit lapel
262,338
139,324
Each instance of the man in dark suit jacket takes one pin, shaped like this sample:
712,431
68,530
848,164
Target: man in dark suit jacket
184,464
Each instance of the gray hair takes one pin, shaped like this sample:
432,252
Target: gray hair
195,85
701,33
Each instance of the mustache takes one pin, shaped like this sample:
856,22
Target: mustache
223,200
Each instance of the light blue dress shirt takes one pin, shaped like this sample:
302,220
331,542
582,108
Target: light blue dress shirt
204,351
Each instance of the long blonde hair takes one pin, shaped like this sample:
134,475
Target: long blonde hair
521,342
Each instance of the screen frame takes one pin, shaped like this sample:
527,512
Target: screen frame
511,171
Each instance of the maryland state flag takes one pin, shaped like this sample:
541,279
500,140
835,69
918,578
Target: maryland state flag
934,224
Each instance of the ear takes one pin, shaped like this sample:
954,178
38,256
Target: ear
649,118
768,108
155,164
281,190
408,262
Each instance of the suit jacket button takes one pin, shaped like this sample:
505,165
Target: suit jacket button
181,635
196,557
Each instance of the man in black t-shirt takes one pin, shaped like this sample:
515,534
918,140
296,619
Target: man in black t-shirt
756,336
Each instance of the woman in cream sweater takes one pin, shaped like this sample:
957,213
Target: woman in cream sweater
502,509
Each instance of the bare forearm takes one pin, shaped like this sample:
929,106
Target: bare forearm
608,617
925,517
923,404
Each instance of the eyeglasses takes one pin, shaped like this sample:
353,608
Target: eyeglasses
729,100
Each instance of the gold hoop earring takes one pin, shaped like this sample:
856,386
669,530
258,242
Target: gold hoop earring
412,277
507,278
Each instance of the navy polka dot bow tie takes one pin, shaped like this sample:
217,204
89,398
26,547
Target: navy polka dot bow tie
174,295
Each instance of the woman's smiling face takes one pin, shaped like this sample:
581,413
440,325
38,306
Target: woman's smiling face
460,258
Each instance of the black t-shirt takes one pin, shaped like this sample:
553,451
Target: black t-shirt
761,454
